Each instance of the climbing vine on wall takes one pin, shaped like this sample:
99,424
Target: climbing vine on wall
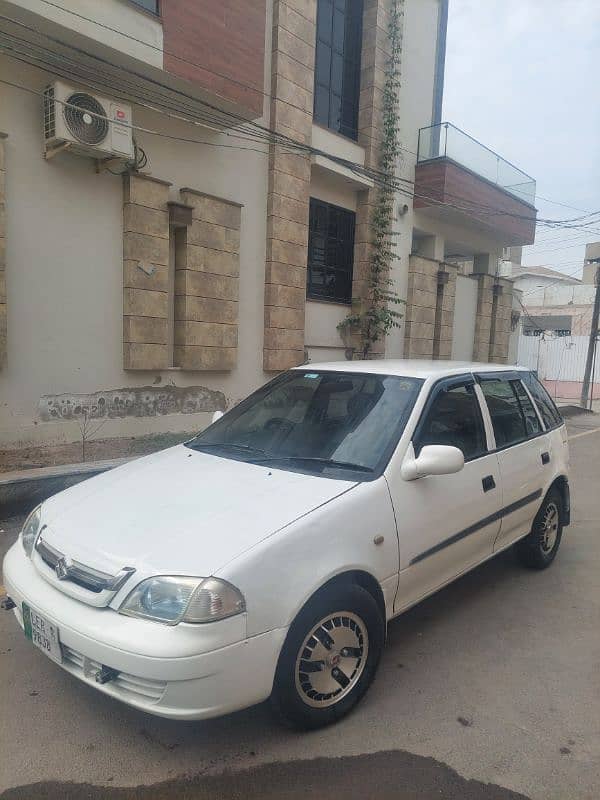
379,309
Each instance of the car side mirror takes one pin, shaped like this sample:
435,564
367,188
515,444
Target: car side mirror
434,459
216,416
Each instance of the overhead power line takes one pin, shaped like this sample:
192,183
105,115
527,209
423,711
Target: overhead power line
206,68
469,208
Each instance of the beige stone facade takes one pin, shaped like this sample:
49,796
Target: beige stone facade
429,308
2,254
141,286
292,79
493,320
207,269
375,56
145,272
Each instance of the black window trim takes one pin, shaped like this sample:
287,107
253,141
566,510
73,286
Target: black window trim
311,294
443,384
342,130
513,375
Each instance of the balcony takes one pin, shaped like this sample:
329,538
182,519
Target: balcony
179,55
459,179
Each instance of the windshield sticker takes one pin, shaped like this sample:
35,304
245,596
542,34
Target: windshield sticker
311,375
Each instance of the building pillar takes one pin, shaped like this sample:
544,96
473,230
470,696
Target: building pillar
145,272
292,85
486,263
429,308
501,317
492,321
432,247
3,136
374,61
207,269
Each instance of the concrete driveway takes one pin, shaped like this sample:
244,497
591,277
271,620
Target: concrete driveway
489,690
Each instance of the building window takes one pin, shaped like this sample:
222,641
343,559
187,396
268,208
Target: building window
337,65
148,5
330,252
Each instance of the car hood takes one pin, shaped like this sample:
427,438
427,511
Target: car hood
179,511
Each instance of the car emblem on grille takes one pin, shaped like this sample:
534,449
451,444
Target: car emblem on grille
62,568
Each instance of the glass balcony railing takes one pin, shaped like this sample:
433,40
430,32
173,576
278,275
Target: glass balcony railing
148,5
447,141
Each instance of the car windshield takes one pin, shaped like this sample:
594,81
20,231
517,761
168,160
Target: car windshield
317,422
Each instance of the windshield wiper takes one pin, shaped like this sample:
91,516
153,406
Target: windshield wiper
244,448
326,462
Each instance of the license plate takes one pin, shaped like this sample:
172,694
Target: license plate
42,633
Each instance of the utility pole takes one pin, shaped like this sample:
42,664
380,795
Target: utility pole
593,339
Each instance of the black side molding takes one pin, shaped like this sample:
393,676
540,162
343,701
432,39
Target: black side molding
477,526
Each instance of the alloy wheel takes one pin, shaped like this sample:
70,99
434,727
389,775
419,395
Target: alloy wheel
331,659
549,529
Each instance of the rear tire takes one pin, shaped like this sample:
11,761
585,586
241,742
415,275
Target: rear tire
538,549
329,658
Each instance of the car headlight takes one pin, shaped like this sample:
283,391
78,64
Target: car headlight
31,529
173,599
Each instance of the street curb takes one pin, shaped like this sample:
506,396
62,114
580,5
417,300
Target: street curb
23,490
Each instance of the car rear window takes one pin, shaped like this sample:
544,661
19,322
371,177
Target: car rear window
549,412
513,421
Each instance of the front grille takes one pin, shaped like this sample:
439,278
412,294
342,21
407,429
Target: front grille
74,571
124,685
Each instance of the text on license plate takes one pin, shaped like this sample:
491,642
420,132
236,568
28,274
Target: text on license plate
42,632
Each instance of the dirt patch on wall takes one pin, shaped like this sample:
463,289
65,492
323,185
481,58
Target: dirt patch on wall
145,401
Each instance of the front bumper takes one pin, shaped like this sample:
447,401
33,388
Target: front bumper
164,670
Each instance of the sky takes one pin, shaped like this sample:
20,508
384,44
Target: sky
523,77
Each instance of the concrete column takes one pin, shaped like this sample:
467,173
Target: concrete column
145,272
207,268
2,255
492,322
374,60
483,317
486,263
432,247
500,328
443,333
292,82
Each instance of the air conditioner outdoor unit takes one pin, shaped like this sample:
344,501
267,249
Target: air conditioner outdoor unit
85,123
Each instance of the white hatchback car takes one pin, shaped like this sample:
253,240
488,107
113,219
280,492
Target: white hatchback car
264,557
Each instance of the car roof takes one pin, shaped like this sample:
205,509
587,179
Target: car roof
409,368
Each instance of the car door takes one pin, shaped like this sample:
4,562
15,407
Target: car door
522,449
446,523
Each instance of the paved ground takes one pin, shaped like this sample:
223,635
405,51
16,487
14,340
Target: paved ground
487,691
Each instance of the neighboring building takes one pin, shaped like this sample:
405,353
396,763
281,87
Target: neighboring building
227,252
557,303
556,325
590,263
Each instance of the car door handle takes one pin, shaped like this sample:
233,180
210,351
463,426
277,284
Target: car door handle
545,458
488,483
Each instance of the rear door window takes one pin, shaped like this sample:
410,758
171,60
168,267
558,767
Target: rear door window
548,411
533,426
513,416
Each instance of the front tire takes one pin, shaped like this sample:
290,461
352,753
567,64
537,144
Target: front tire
329,658
538,549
